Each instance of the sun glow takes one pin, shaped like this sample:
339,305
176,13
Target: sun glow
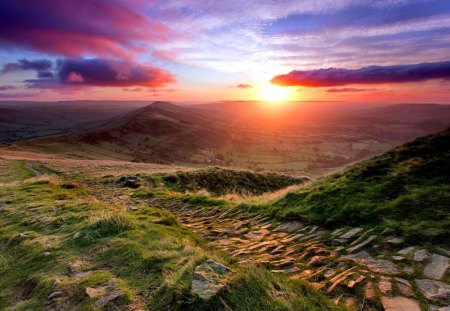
271,92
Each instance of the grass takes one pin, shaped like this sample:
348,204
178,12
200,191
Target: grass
46,227
218,181
407,189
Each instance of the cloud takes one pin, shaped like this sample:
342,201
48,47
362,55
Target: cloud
359,15
107,28
244,86
365,75
7,87
42,67
348,89
16,95
76,72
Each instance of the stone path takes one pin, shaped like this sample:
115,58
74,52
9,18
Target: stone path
358,267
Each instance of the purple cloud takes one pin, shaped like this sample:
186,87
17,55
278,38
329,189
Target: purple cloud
7,87
365,75
108,28
103,72
348,89
42,67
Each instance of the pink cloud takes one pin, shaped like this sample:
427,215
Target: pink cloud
75,28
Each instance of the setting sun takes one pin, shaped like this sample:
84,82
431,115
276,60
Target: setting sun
271,92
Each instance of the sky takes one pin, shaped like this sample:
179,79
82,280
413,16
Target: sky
191,50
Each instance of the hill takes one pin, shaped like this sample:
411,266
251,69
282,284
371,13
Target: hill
27,120
407,189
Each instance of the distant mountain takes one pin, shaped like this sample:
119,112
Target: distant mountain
407,189
27,120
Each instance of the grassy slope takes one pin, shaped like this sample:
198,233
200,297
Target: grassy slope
407,189
219,181
149,255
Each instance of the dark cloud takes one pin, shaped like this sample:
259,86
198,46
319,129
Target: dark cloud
103,72
348,89
42,67
16,95
74,28
244,86
365,75
7,87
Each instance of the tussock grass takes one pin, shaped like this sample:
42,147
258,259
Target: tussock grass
112,223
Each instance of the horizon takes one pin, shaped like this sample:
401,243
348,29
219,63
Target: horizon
387,51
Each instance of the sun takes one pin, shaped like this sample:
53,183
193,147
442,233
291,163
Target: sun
271,92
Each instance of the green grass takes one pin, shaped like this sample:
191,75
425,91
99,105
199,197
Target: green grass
46,226
218,181
407,189
14,171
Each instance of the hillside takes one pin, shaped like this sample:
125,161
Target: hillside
73,244
27,120
407,189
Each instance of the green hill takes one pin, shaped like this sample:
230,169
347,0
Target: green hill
406,189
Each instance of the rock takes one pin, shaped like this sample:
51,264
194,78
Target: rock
293,238
209,278
129,182
443,251
351,233
376,265
399,304
257,235
395,241
76,266
104,294
46,254
437,267
335,242
369,291
408,270
385,286
361,238
2,209
434,290
398,258
351,303
406,250
420,256
290,226
361,245
353,283
81,275
76,235
405,287
55,295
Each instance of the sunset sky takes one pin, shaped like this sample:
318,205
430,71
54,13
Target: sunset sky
191,50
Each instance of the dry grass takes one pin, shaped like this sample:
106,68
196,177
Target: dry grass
89,168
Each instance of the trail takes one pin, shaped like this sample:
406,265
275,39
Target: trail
36,172
337,263
363,268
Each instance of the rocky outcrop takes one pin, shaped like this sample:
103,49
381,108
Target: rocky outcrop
209,278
